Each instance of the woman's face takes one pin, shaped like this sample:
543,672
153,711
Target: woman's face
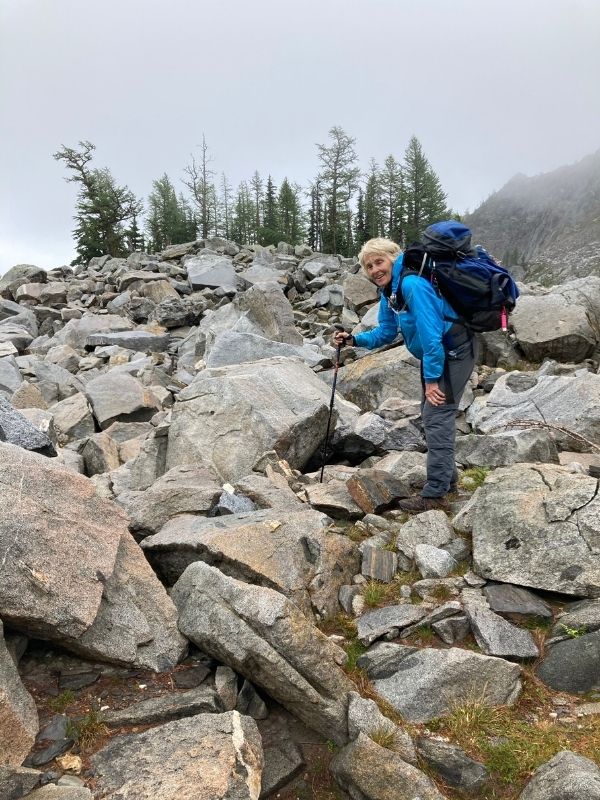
379,269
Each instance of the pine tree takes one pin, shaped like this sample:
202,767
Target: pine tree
199,182
170,219
243,221
256,185
134,236
393,200
339,180
315,217
291,221
425,199
373,203
270,232
103,207
359,222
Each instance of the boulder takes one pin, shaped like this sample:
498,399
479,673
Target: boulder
16,782
138,340
431,528
166,707
368,771
567,776
371,380
453,765
559,324
372,625
506,448
17,276
426,683
100,454
52,791
359,292
16,429
182,490
199,758
573,665
10,376
18,713
229,417
570,401
136,623
210,270
266,638
516,601
537,526
76,331
333,498
233,347
291,552
117,396
56,532
73,419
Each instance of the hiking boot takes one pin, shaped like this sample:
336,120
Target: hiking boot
418,504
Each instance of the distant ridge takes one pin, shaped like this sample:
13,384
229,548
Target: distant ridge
549,223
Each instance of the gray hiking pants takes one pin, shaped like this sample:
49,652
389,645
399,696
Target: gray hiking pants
439,422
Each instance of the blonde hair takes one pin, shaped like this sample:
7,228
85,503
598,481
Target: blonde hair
378,247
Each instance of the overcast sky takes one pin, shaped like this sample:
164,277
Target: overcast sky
490,87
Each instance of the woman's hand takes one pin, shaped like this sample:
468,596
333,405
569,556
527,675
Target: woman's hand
434,395
341,338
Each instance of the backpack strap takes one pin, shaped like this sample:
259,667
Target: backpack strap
393,298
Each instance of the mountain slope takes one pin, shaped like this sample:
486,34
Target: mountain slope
549,222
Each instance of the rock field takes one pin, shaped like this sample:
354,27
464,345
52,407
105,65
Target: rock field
186,611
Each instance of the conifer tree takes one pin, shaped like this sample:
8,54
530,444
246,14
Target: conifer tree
270,232
243,221
425,199
339,180
359,220
373,203
256,186
170,219
291,223
103,207
315,217
393,199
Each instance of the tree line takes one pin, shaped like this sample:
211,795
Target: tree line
337,212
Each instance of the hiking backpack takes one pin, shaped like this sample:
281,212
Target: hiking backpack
480,291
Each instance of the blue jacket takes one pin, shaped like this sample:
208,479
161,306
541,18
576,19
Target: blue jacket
422,324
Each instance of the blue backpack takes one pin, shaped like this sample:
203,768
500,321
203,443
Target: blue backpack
480,291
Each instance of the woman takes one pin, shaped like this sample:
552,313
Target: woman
445,348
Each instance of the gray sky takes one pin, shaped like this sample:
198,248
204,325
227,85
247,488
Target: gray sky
490,87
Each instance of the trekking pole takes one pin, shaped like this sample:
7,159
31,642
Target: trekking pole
335,374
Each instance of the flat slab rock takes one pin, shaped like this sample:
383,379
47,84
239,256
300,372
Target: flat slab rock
537,526
375,624
140,341
176,705
200,758
292,552
424,683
